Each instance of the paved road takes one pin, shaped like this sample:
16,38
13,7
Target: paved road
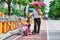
53,29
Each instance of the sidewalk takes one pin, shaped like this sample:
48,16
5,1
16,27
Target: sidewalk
41,36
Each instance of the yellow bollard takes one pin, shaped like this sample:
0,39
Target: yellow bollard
0,28
14,25
11,26
5,27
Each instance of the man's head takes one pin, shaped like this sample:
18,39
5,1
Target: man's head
36,6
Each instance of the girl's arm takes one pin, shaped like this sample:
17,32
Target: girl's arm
30,16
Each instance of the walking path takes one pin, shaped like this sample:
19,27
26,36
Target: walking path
41,36
50,30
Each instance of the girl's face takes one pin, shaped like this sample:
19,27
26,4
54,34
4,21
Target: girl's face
19,20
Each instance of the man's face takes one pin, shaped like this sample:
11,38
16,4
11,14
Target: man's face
35,6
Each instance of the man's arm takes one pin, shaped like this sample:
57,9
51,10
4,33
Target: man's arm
40,12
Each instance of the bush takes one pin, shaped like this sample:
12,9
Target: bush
5,10
17,12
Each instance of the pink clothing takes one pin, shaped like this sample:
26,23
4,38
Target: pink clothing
26,27
28,23
28,30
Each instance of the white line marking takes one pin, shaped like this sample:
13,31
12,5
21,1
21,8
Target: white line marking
47,30
16,37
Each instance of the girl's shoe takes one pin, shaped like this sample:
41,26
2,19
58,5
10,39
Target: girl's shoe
25,33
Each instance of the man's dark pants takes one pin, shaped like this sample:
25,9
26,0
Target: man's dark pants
37,22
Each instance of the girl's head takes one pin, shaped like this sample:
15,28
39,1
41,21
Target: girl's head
27,20
19,19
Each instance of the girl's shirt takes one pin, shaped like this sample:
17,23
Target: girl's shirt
20,26
25,28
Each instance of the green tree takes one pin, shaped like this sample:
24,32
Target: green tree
25,3
22,2
9,5
2,9
51,9
54,11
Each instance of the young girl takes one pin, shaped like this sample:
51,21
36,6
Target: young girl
26,28
20,26
28,24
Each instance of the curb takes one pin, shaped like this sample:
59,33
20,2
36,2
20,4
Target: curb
8,34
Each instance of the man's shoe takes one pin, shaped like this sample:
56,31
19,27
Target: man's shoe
33,33
37,32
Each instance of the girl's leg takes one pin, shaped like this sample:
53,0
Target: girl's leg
19,32
29,26
25,33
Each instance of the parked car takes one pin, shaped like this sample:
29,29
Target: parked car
45,17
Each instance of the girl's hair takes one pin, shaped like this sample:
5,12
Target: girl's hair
28,20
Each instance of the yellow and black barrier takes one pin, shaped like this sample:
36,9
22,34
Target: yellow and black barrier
16,24
0,28
5,27
11,26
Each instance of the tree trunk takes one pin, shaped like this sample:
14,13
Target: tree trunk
25,12
9,10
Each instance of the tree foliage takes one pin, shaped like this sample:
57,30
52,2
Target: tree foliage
54,11
5,10
15,11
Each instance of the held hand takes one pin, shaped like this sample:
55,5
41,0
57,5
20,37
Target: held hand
29,17
39,13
